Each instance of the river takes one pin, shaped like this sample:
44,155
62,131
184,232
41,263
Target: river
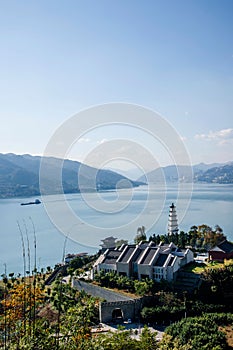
77,223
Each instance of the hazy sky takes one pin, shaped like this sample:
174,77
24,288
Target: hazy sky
60,57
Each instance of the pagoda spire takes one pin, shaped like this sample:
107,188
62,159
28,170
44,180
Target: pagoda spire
172,220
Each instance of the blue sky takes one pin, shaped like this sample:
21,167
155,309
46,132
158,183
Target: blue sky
174,57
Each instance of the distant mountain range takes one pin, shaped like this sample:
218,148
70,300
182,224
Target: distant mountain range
221,174
19,176
210,173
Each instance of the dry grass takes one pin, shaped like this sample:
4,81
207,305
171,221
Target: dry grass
200,267
48,313
124,292
228,330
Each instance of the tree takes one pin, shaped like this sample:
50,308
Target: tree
200,332
220,279
13,303
120,242
148,339
169,343
41,339
141,235
18,305
143,287
76,324
120,340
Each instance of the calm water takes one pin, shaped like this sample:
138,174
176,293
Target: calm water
88,219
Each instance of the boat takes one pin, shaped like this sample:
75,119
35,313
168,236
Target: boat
36,201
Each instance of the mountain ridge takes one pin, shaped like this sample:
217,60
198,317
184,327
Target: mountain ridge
210,173
19,176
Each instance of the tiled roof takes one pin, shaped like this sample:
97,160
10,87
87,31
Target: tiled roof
148,256
165,247
111,257
171,261
139,255
226,246
161,260
127,253
144,245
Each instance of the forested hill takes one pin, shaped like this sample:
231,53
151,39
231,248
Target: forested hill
210,173
19,176
221,175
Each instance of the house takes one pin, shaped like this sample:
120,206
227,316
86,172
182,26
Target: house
107,260
144,260
223,250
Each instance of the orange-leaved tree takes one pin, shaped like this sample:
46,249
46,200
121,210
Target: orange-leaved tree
18,304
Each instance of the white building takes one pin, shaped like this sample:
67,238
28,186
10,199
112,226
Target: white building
145,260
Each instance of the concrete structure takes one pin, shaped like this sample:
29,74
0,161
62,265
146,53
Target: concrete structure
116,307
223,250
172,221
99,292
120,311
145,260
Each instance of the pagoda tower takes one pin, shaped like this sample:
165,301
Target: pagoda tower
172,221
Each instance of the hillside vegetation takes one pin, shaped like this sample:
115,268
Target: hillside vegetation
19,176
209,173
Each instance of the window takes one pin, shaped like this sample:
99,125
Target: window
157,273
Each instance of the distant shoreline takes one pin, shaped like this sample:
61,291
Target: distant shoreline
39,195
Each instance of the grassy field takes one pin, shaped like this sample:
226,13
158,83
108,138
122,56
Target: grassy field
200,267
195,267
